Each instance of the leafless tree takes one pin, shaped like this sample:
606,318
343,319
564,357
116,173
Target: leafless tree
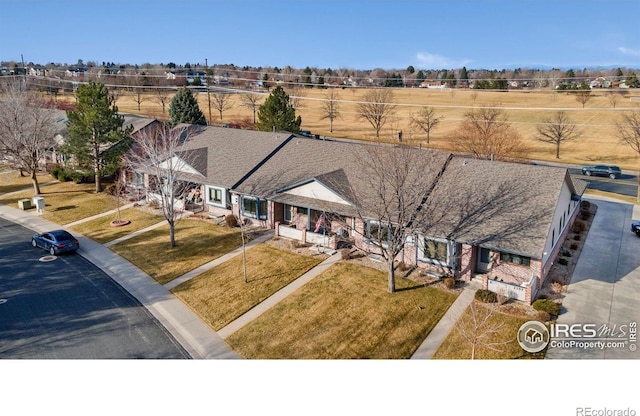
629,133
478,327
252,102
486,133
613,97
395,184
139,96
425,120
296,95
474,97
376,107
27,128
583,96
160,153
330,107
629,130
222,101
557,130
162,96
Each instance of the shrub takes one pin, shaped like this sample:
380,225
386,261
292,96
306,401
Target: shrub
486,296
547,305
566,253
574,246
585,215
578,226
55,171
450,282
563,261
231,220
62,177
577,237
542,316
403,267
79,177
345,253
585,204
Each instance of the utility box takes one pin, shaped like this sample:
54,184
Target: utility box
24,204
38,201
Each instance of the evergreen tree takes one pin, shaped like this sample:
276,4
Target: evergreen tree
276,113
632,81
93,125
184,109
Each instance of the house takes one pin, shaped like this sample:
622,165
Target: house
492,225
221,158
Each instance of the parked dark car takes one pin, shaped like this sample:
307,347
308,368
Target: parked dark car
611,171
55,242
635,227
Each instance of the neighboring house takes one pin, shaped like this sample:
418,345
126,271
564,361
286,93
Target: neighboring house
496,227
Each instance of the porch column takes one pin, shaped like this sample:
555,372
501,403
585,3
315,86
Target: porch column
277,228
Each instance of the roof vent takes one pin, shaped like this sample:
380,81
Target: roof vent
464,162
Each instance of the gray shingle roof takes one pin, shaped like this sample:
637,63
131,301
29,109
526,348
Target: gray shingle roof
232,153
502,205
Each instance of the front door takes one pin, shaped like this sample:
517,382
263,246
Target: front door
484,260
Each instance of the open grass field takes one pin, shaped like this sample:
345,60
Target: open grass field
100,230
197,242
66,202
221,295
345,312
525,110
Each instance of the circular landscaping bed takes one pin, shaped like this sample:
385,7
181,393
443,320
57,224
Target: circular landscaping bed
119,223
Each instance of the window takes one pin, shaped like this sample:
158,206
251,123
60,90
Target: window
434,251
377,232
287,212
515,259
137,179
215,196
254,207
301,211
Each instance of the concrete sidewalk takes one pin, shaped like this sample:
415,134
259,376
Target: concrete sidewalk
278,296
442,329
213,263
187,328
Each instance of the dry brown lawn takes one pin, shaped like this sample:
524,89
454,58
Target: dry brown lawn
197,242
66,202
221,294
101,231
598,142
345,312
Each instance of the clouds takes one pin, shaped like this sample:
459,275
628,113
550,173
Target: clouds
629,51
432,61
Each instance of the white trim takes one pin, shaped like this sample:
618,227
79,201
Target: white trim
223,203
420,252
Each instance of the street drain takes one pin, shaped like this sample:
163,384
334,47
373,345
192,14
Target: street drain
48,258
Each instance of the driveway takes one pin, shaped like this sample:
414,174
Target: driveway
605,285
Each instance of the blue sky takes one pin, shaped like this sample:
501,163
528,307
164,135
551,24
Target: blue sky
488,34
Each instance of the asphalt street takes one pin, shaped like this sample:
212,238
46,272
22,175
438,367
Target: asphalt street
67,308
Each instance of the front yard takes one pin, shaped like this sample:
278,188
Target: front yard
197,242
221,295
67,202
345,312
101,231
